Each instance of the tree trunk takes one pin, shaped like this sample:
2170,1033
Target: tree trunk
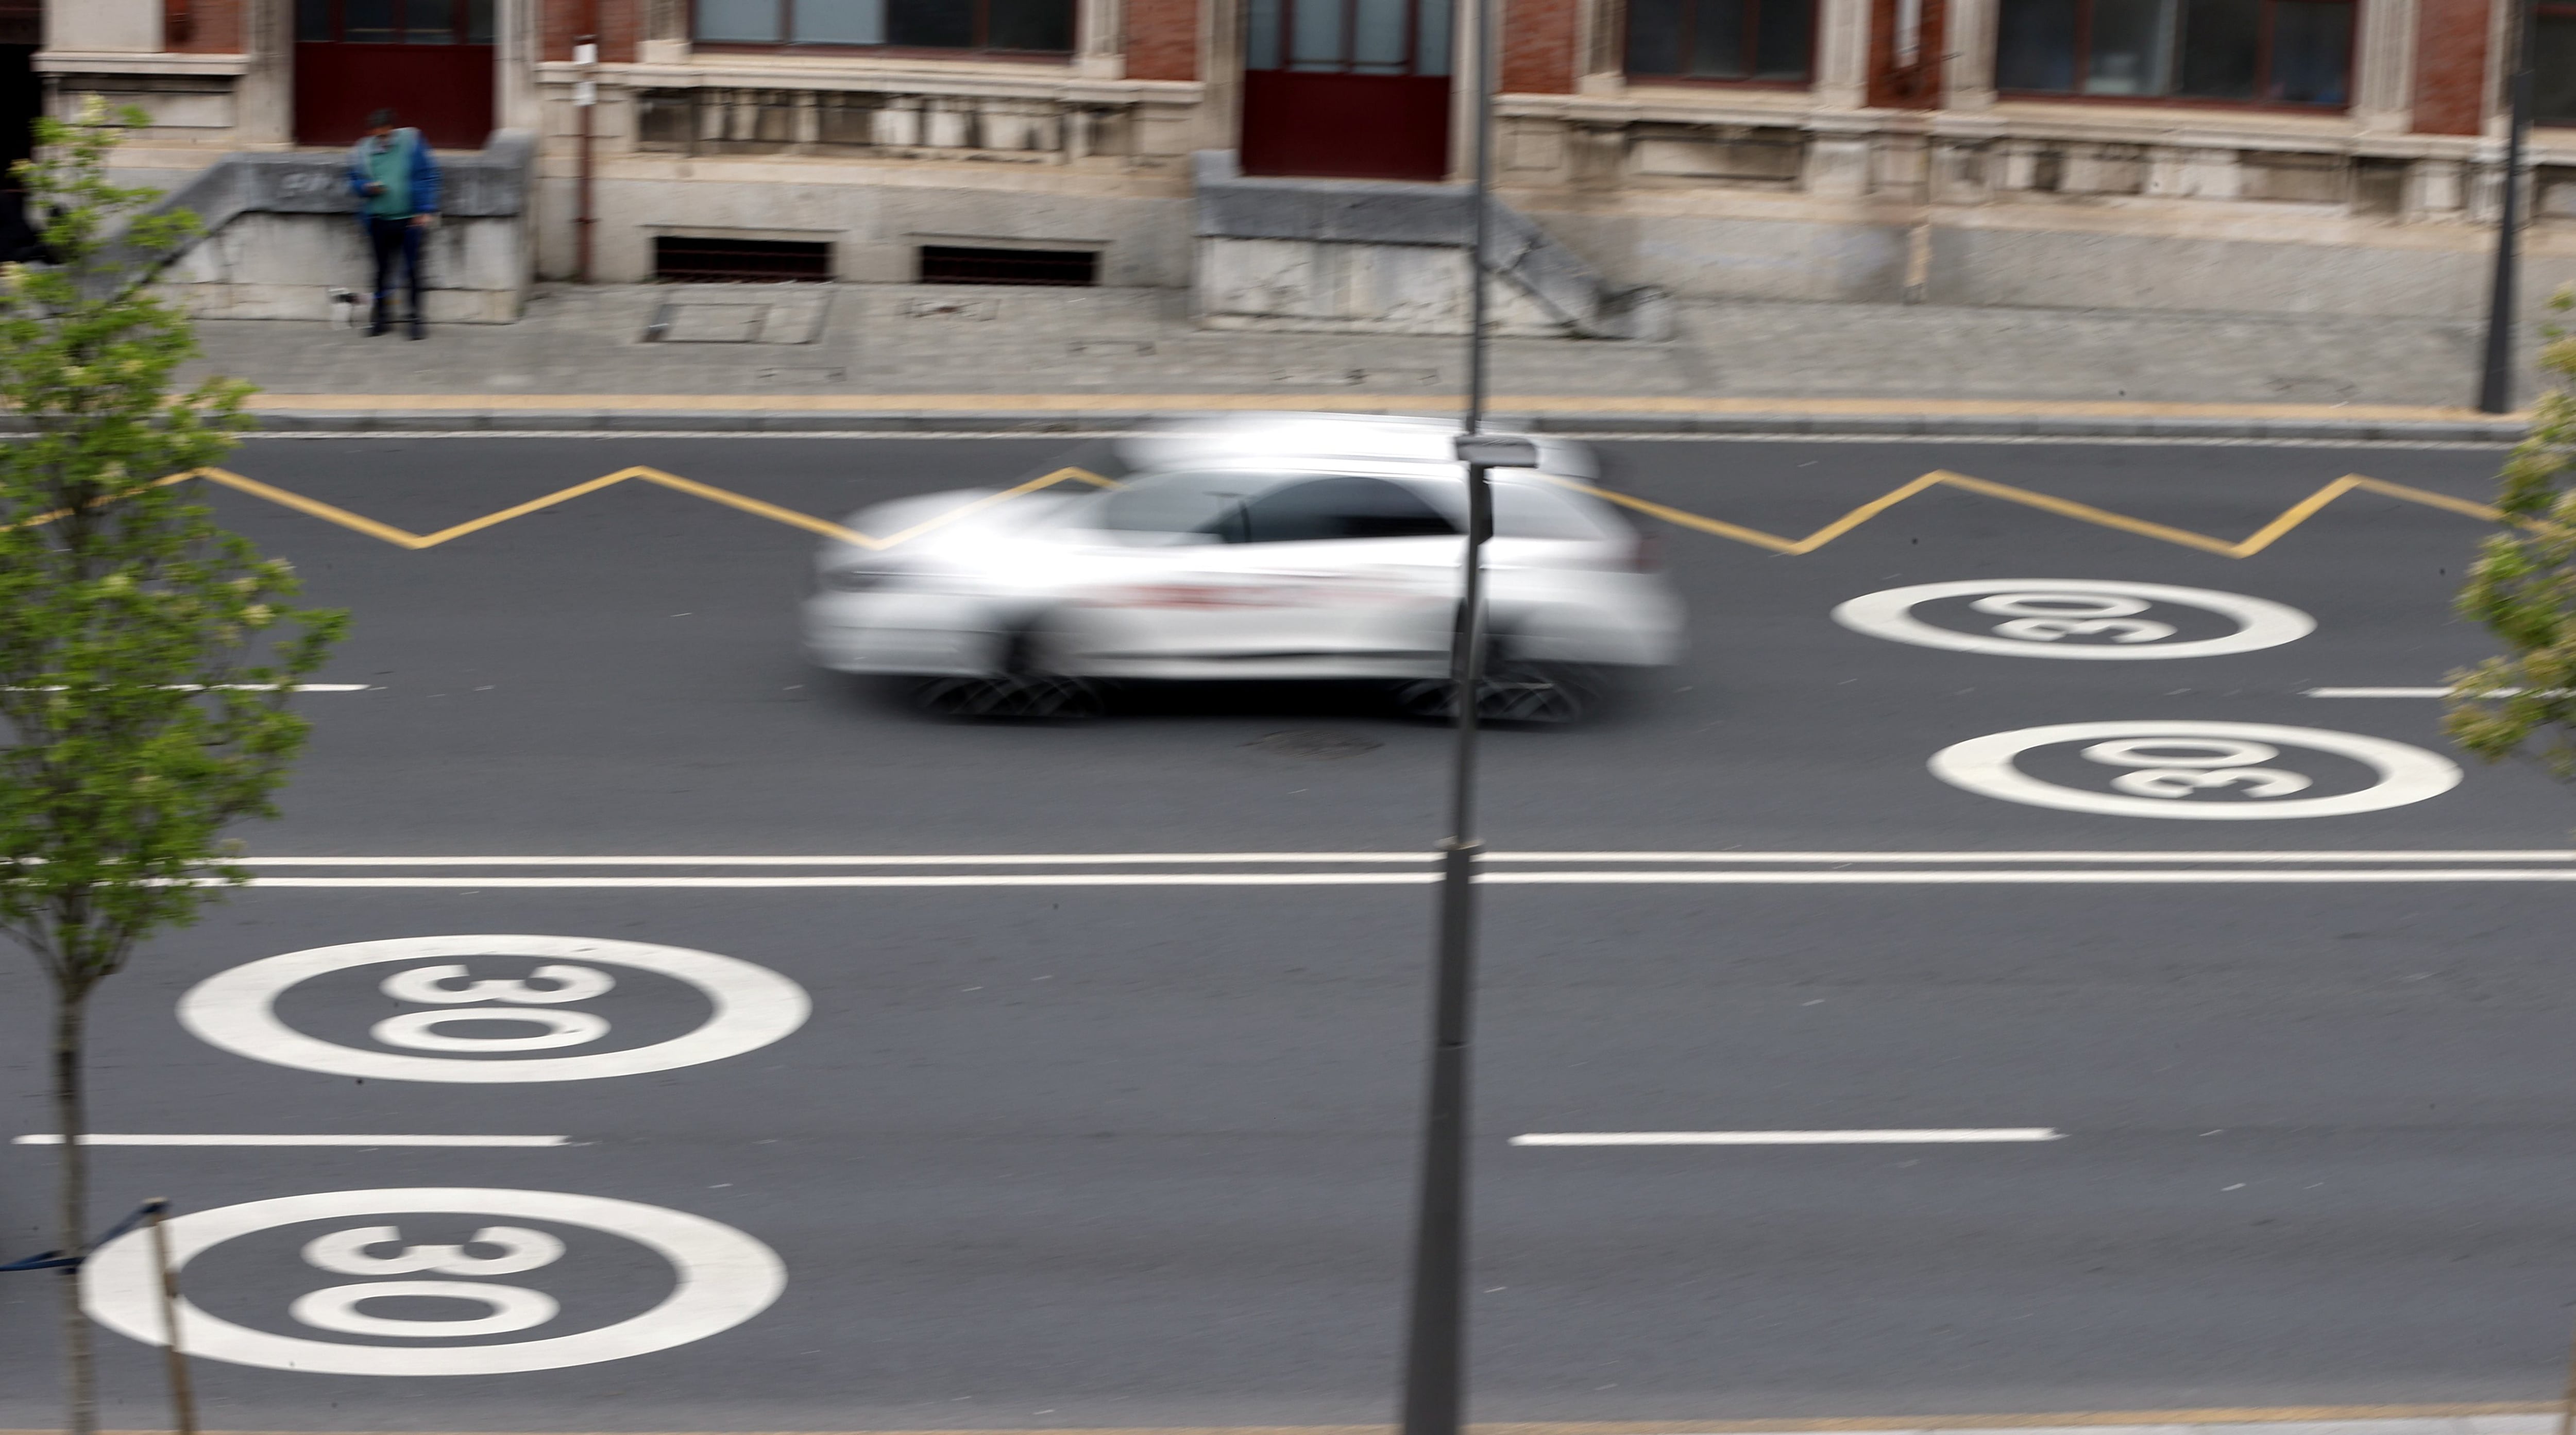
80,1399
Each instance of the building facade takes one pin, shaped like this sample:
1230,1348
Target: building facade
2262,155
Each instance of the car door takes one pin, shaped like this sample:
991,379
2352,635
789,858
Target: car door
1366,570
1319,574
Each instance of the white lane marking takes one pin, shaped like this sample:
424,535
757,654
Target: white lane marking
2388,692
1415,879
748,1007
1010,859
2041,611
1986,766
233,688
1219,859
205,1139
721,1278
1789,1138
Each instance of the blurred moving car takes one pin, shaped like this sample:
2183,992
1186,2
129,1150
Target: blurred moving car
1256,547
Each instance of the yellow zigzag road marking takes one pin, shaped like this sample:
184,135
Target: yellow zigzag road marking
2260,539
729,498
2245,547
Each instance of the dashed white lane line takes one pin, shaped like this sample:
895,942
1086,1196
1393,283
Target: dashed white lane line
203,1139
239,688
2381,692
1791,1138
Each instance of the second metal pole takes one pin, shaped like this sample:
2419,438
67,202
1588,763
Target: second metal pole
2495,386
1435,1344
183,1398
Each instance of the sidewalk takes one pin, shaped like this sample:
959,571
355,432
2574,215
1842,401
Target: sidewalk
919,356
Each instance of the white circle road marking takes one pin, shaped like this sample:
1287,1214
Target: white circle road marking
752,1006
2260,623
1984,765
724,1279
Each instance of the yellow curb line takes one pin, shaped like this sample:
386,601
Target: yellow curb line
2245,547
2250,1415
1430,403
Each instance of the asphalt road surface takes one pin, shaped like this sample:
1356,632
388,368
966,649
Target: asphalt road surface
2262,1108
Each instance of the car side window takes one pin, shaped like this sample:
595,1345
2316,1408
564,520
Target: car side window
1346,506
1180,508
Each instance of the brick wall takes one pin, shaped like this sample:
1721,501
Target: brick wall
203,27
2450,66
620,25
1162,39
1893,84
1539,42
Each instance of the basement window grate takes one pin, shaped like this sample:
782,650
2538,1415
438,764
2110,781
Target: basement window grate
958,264
692,260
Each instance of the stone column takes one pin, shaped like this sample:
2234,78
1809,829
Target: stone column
264,96
1968,75
515,103
1600,67
2383,82
665,38
1842,54
1100,40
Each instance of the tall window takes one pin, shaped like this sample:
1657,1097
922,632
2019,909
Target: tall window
1721,39
2286,52
2553,65
1028,26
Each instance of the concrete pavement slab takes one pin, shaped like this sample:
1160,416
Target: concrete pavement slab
1003,357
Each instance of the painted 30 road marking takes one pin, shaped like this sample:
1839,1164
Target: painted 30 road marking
2200,771
720,1278
748,1008
2082,618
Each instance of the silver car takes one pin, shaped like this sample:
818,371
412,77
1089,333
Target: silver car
1266,547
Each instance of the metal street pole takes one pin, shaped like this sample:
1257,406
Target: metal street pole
2495,389
1435,1345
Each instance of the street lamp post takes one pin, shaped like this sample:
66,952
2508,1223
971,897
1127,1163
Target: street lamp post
1435,1344
2495,388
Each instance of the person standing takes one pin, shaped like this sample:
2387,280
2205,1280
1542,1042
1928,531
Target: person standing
397,182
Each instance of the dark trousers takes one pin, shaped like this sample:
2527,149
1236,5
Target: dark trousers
394,241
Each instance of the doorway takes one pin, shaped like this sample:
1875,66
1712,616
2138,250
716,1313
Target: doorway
429,61
1347,89
22,91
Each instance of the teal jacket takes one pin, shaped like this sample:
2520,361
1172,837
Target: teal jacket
423,171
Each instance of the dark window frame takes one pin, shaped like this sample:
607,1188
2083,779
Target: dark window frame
1752,30
2080,62
2550,10
983,31
460,23
1412,64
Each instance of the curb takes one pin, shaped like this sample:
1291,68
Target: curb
1003,422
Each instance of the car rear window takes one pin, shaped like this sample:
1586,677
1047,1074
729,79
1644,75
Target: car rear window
1536,509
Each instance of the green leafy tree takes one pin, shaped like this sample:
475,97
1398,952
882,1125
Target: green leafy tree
146,656
2523,588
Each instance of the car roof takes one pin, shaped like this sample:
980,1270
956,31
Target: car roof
1323,442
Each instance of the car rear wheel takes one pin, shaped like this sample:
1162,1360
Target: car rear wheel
1025,688
1510,690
